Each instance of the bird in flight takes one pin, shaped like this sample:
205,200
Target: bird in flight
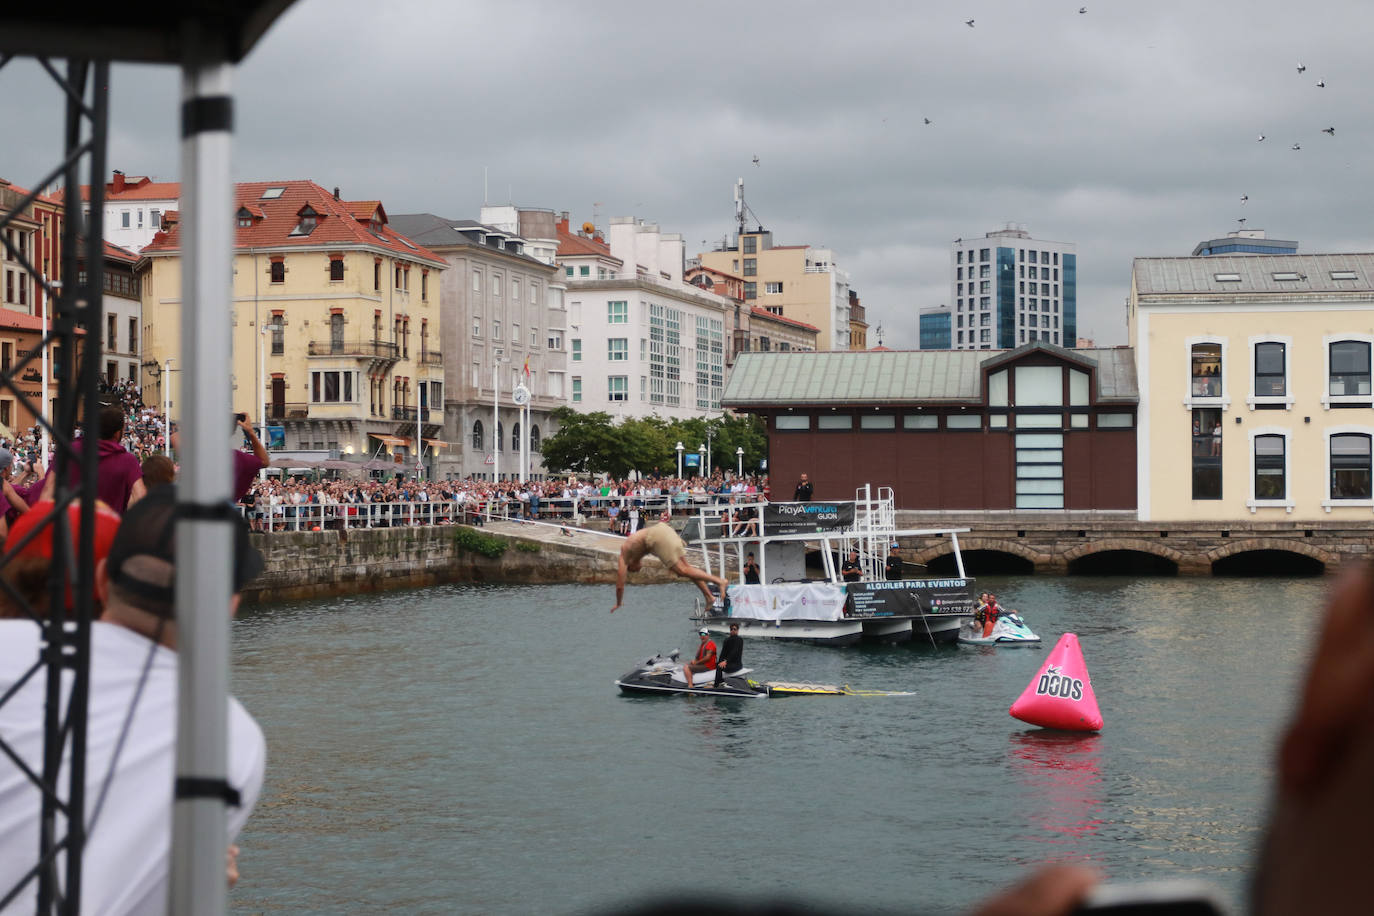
1296,146
1082,9
1321,84
1241,221
1244,198
756,160
927,120
1260,138
1302,68
968,22
1329,130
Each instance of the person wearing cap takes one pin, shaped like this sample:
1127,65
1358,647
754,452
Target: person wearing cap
119,477
705,660
131,724
29,542
893,567
731,654
663,542
10,499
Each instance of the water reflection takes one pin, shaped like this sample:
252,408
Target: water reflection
1061,778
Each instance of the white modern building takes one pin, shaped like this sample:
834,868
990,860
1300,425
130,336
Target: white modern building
503,325
641,341
134,207
1009,289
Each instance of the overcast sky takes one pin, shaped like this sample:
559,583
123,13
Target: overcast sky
1130,129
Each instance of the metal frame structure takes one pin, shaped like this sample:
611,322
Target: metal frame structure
205,38
76,317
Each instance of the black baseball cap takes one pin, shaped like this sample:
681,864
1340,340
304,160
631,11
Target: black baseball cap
142,559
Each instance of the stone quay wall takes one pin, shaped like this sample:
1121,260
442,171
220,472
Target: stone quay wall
316,564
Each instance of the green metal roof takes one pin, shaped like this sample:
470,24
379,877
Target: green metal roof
902,376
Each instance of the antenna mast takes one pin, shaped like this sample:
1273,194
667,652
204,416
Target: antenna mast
742,211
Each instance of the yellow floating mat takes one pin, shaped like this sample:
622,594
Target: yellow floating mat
801,689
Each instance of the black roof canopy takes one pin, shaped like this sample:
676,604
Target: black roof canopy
149,32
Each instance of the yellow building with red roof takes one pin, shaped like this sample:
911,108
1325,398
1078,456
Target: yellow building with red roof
335,324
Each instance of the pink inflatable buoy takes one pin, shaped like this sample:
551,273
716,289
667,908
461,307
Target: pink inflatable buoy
1061,695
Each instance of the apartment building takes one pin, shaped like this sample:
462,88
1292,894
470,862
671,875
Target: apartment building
1255,373
642,341
336,325
504,325
1009,288
799,282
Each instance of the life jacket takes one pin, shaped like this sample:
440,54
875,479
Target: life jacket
706,655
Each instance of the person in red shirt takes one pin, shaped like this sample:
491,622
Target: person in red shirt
705,660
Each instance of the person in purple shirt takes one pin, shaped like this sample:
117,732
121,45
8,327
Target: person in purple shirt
245,464
119,478
12,502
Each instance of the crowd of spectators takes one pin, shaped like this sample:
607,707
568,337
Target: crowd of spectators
280,502
290,503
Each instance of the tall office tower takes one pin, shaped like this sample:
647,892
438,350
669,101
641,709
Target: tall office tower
1009,289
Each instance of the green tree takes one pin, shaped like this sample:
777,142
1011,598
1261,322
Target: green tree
593,443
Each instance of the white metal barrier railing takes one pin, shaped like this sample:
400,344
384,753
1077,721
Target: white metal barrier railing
268,516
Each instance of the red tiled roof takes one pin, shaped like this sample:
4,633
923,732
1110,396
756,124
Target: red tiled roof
728,276
762,312
363,209
150,190
119,254
571,246
9,318
50,200
337,222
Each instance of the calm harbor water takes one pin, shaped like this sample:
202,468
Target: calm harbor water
463,750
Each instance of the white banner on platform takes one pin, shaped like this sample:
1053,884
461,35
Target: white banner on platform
788,601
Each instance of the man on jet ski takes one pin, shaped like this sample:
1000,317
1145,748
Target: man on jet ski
731,654
705,660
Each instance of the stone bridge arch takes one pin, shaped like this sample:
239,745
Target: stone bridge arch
1154,548
1284,545
1015,548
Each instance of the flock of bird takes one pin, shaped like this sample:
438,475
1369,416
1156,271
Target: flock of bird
1329,131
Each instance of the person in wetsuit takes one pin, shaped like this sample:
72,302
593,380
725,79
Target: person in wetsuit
731,654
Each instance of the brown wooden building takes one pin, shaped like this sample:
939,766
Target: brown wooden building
1036,428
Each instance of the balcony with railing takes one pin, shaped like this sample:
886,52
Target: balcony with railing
432,358
425,414
374,349
288,411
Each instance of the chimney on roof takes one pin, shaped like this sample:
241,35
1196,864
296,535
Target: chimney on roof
336,192
118,184
563,221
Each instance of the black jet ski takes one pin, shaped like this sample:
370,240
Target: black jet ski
662,674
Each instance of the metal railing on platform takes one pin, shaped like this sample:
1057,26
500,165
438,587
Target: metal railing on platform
333,516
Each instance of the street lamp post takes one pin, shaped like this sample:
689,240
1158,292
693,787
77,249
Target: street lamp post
701,460
739,457
679,461
167,406
709,433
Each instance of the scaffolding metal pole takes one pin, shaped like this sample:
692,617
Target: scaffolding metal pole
205,533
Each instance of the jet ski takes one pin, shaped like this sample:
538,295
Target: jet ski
662,674
1009,630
